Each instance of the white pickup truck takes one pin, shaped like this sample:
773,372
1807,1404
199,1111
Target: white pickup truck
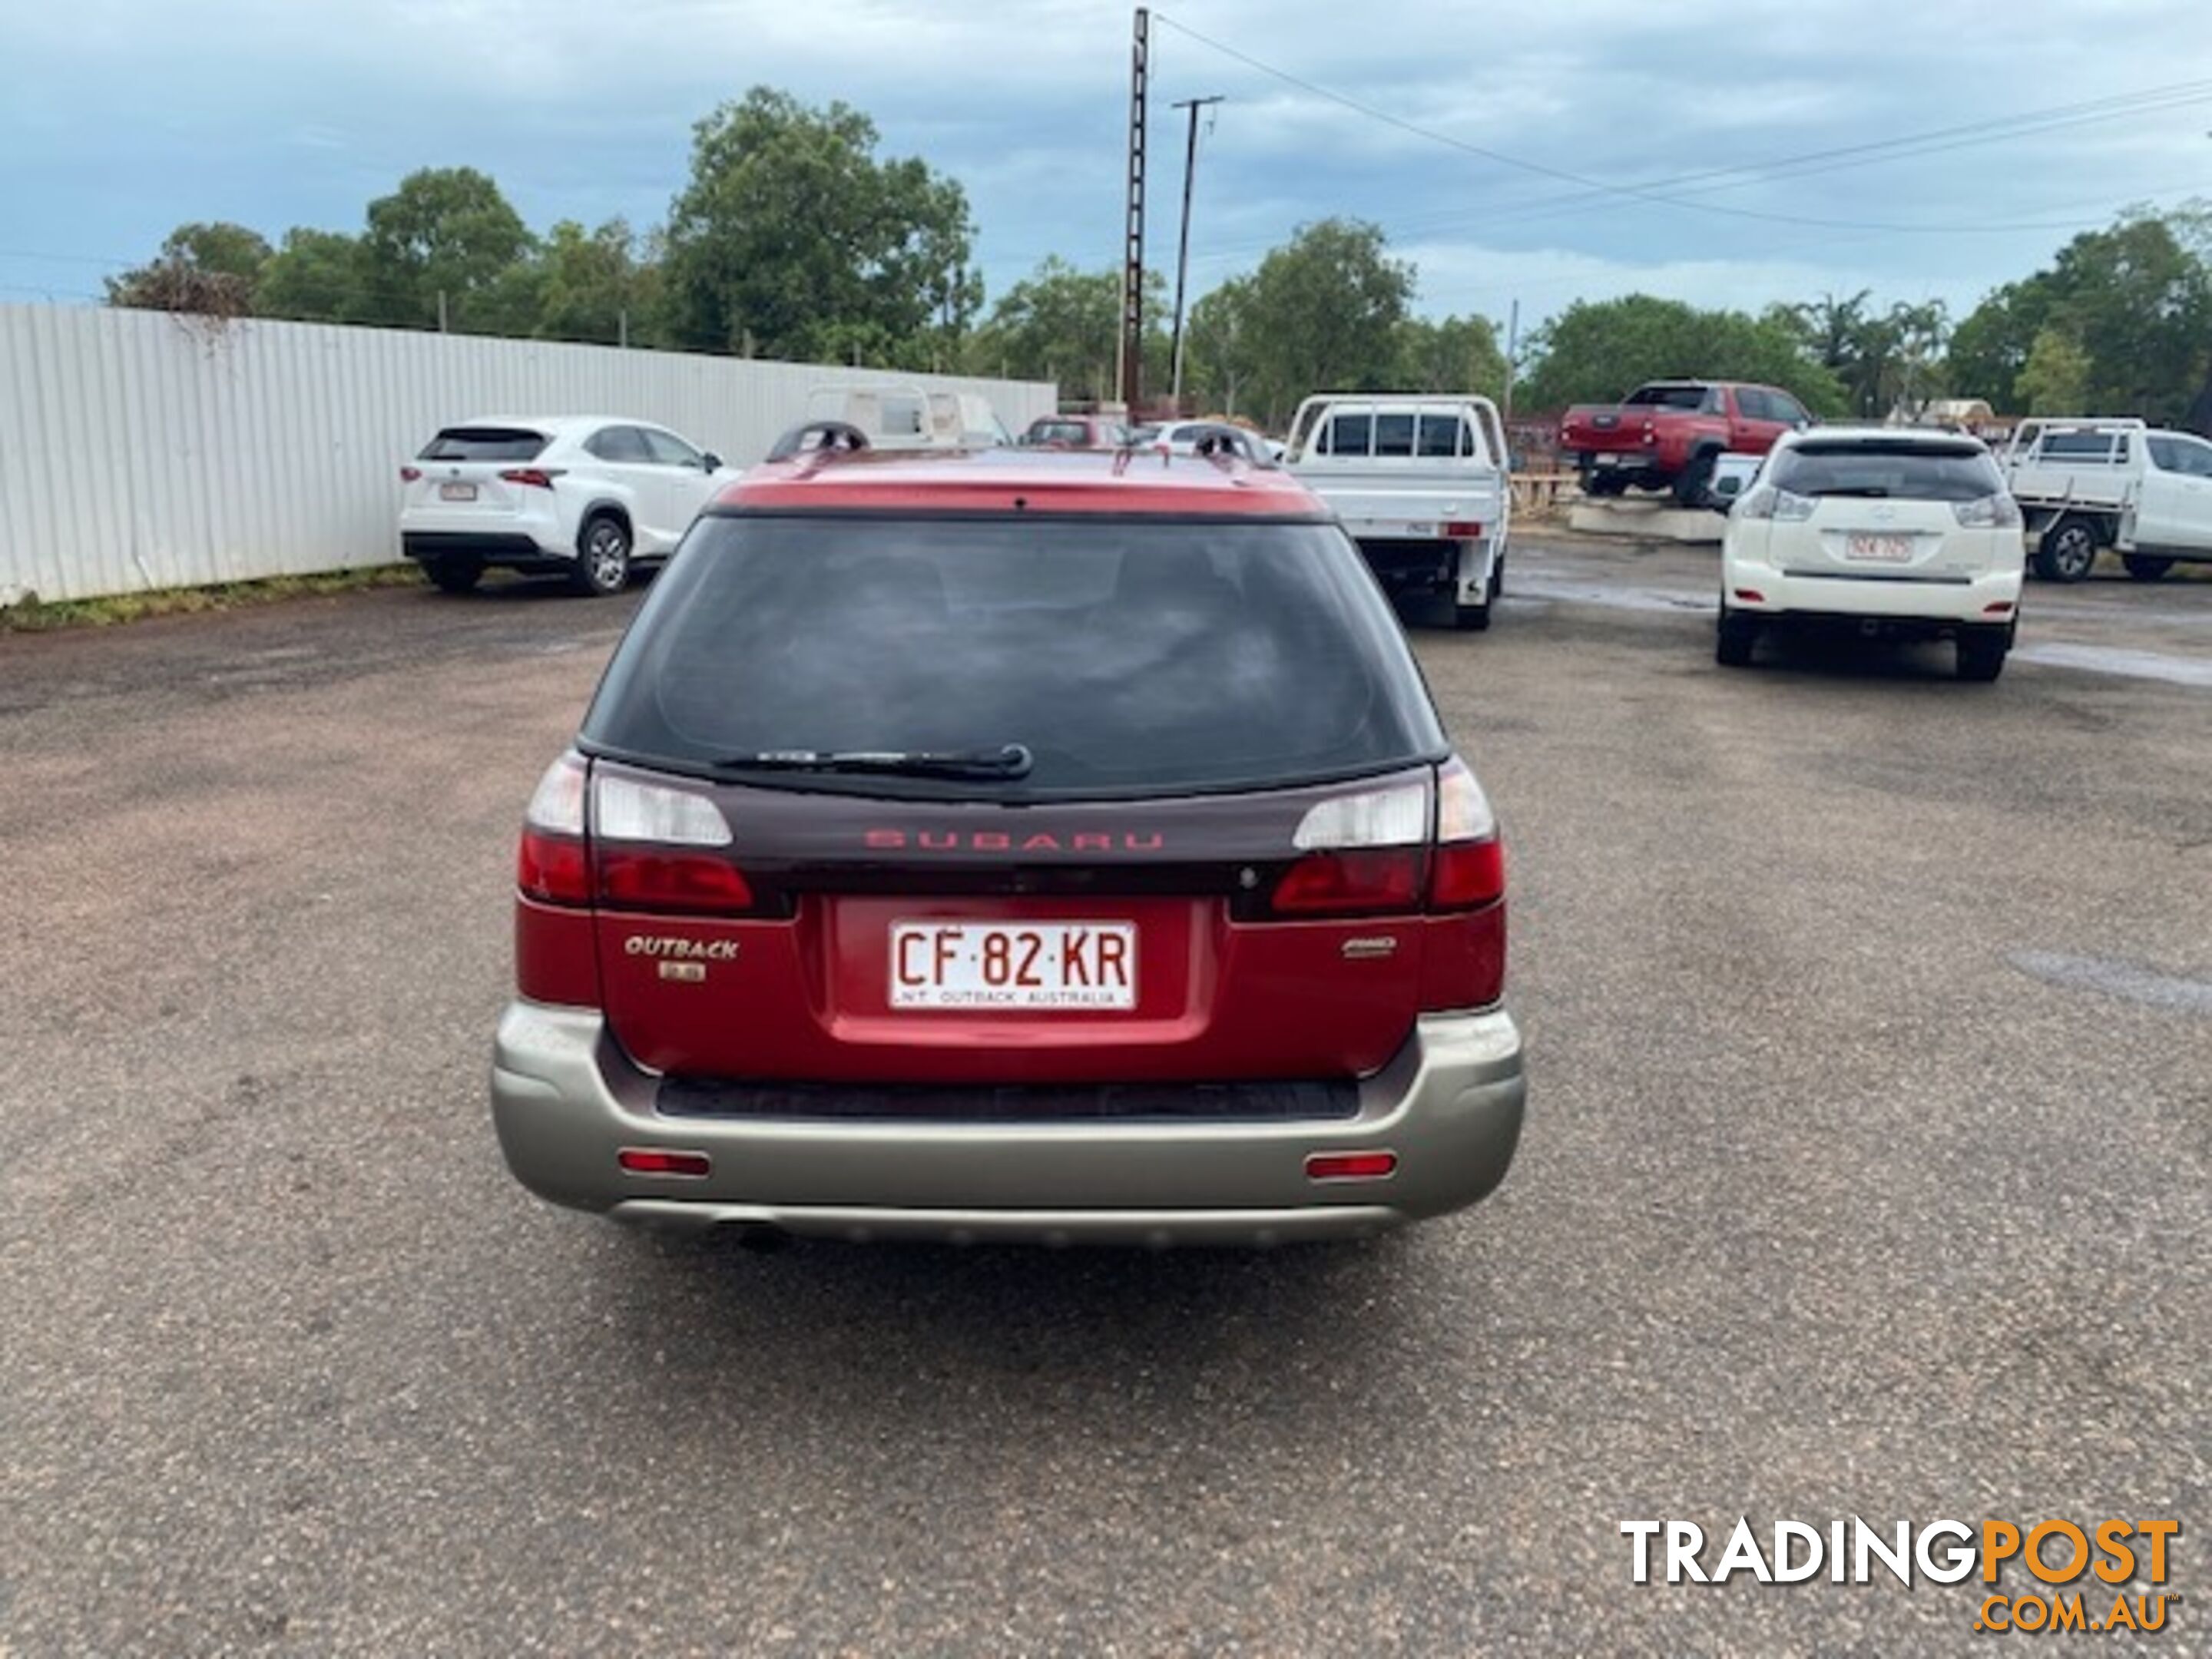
1420,482
2085,483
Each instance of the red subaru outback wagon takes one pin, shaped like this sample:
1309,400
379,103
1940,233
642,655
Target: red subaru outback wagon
1014,845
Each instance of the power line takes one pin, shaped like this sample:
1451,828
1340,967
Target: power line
1592,186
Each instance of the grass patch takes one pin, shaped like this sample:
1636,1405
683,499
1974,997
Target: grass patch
32,616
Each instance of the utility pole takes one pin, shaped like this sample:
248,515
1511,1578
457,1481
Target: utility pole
1182,246
1512,356
1129,383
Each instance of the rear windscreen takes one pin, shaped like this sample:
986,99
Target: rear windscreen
483,443
1129,656
1925,472
1667,397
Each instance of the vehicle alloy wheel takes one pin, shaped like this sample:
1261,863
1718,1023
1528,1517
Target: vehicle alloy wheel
2068,552
603,565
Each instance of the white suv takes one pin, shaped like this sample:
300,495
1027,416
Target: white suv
1878,531
582,497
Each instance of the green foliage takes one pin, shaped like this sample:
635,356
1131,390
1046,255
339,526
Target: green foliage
2134,301
793,241
1063,324
444,231
213,268
1324,316
1884,361
1455,354
1219,344
1598,351
315,276
589,282
2055,379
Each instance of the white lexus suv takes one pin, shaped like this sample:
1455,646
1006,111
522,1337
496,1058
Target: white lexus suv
583,497
1878,531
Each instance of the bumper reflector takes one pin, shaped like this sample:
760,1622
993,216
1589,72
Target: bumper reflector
1351,1166
657,1161
1751,596
1996,607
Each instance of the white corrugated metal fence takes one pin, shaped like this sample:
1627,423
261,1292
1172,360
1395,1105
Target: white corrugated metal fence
140,450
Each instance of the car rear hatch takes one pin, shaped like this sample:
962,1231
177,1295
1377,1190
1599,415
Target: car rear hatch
470,473
1233,849
1904,510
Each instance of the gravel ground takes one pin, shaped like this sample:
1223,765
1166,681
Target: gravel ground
1871,1031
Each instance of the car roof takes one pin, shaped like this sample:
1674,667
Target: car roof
555,426
1019,480
1875,437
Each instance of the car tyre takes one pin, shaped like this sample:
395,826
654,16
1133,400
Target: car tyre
1693,483
1734,639
2068,551
2146,568
454,575
602,558
1982,653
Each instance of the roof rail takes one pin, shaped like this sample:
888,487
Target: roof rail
828,438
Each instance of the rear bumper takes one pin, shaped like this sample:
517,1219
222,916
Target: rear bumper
503,549
565,1101
1850,599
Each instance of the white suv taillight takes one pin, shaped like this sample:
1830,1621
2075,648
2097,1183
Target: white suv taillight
1768,503
1998,512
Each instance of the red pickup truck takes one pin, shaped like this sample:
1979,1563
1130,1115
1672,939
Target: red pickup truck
1666,434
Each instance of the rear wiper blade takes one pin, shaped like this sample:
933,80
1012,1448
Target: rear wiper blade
1010,760
1873,491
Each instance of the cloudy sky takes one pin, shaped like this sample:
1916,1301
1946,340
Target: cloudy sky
1546,151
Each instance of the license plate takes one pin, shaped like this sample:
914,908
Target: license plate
1879,549
1038,964
1606,460
1418,532
457,492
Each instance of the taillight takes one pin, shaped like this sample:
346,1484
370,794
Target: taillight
1469,868
655,848
1362,884
532,477
1365,856
551,863
1464,533
409,474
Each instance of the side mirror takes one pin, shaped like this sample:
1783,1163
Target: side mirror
712,461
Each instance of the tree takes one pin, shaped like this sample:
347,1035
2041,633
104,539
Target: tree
2055,379
1218,340
446,231
792,240
1455,354
590,282
1057,324
315,276
1323,315
211,268
2135,298
1597,351
1884,361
